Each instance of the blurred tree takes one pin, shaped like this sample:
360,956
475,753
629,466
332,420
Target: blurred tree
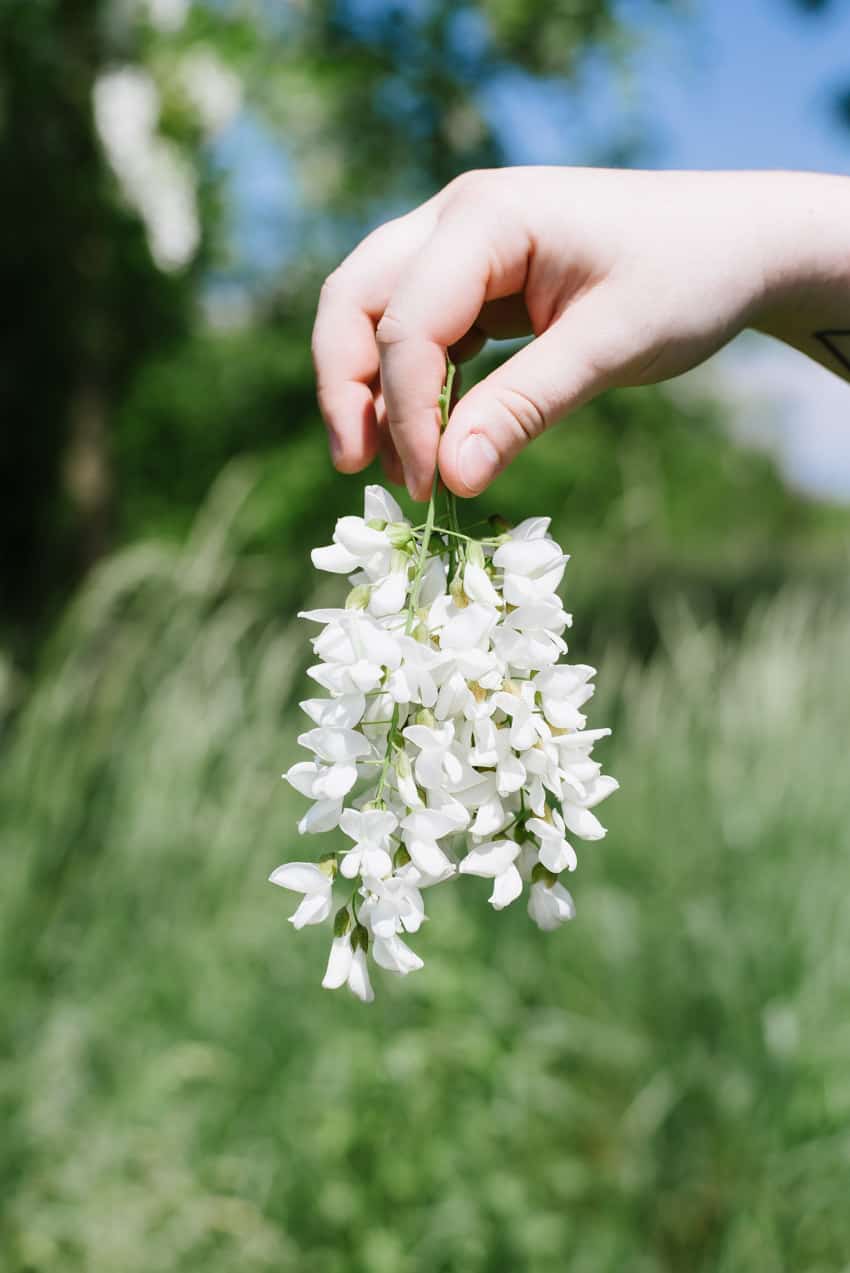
121,401
89,304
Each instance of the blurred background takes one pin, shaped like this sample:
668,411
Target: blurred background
664,1085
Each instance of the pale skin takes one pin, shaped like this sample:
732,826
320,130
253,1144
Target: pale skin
623,278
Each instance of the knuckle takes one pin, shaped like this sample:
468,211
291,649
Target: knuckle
391,330
467,186
526,417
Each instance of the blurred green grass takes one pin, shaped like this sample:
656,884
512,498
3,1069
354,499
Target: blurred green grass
664,1085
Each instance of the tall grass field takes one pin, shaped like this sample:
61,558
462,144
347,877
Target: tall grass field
663,1085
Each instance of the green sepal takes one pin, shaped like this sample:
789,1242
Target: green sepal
342,921
360,938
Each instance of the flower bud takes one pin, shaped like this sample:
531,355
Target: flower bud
342,921
360,938
458,595
358,598
399,534
475,554
499,524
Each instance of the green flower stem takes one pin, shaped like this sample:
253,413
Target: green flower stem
419,570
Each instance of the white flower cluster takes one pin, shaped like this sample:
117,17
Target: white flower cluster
451,738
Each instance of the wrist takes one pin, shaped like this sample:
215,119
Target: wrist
806,256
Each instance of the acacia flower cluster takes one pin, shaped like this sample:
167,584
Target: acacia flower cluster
451,739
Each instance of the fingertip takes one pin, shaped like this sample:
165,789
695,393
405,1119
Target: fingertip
349,415
470,464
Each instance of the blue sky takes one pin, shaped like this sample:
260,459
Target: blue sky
724,85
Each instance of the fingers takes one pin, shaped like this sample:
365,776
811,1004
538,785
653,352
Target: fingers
346,361
467,260
544,381
344,351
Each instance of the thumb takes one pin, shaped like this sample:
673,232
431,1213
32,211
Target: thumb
544,381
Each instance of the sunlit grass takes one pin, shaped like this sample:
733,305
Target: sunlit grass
664,1085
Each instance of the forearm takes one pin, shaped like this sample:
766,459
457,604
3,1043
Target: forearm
807,277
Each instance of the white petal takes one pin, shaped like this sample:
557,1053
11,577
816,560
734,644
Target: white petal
334,558
430,739
433,582
490,859
301,877
303,776
388,596
358,977
599,790
531,528
349,865
312,910
557,854
335,745
322,816
379,506
490,818
339,963
433,824
338,713
531,557
478,586
394,954
550,907
335,782
506,888
428,857
359,539
468,628
405,783
511,775
376,862
582,822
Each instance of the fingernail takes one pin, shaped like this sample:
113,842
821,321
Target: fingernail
477,461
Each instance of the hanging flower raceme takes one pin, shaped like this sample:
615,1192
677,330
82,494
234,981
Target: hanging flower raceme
452,738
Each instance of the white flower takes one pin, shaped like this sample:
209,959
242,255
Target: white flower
450,729
436,764
371,832
314,883
495,861
550,905
347,966
394,954
422,829
556,853
392,905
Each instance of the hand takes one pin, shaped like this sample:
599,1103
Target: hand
623,277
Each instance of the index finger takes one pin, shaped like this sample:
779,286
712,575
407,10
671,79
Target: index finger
473,256
345,355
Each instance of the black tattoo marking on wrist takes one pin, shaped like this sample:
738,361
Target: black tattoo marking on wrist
837,341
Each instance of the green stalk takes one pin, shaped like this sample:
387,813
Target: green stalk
421,561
